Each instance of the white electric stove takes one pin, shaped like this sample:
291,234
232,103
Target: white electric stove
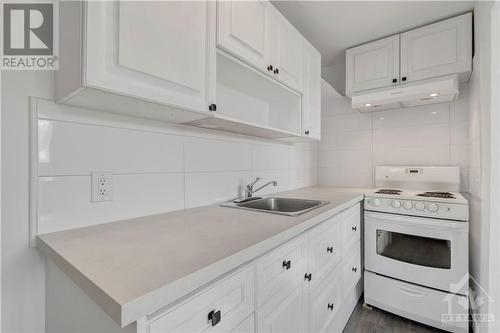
416,245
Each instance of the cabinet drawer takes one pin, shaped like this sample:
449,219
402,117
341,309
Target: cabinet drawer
281,270
415,302
233,297
351,267
246,326
324,245
325,300
351,226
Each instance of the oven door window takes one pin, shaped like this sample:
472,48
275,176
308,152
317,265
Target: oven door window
417,250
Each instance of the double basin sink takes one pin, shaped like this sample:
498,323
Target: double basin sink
276,205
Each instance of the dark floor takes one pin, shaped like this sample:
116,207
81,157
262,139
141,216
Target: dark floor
365,320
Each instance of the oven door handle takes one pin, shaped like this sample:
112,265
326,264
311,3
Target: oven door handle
437,224
411,292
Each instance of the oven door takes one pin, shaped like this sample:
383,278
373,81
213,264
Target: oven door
424,251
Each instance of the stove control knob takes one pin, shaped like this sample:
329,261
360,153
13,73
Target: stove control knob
408,205
420,206
376,202
396,204
432,207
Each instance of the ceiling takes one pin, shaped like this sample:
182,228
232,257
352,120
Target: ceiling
333,26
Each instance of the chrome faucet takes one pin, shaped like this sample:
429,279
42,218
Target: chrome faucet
249,191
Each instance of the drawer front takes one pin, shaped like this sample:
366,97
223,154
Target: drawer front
246,326
351,226
415,302
351,267
281,270
325,301
233,297
324,245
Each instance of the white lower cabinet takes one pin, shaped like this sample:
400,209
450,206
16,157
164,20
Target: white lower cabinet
223,307
308,284
311,299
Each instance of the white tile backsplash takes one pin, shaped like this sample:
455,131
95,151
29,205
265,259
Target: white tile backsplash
64,201
67,148
346,140
204,188
346,177
427,155
412,136
347,122
156,167
270,157
202,154
354,143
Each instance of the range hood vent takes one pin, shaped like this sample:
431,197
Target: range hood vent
432,91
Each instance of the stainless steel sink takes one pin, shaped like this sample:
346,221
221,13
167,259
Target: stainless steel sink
276,205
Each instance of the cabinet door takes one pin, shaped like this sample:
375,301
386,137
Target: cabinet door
325,300
311,96
285,315
287,46
243,30
372,65
351,227
437,49
158,51
324,244
351,267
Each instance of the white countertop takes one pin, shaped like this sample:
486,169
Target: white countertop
134,267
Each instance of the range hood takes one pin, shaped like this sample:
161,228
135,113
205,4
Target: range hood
432,91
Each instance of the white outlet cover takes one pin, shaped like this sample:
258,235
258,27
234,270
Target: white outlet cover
102,186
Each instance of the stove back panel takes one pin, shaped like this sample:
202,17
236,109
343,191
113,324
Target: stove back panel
418,178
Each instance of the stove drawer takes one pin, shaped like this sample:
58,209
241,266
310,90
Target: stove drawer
425,305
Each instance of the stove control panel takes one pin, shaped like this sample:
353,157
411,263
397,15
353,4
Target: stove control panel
449,211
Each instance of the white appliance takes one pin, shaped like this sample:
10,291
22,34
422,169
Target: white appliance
416,245
431,91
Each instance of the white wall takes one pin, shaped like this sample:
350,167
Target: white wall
353,143
23,272
157,167
335,75
483,127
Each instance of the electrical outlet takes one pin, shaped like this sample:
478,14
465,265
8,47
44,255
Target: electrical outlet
102,186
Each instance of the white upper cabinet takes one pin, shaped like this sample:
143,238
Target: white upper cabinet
372,65
434,50
437,49
244,30
142,58
259,35
311,96
287,46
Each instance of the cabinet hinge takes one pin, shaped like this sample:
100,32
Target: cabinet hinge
212,107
